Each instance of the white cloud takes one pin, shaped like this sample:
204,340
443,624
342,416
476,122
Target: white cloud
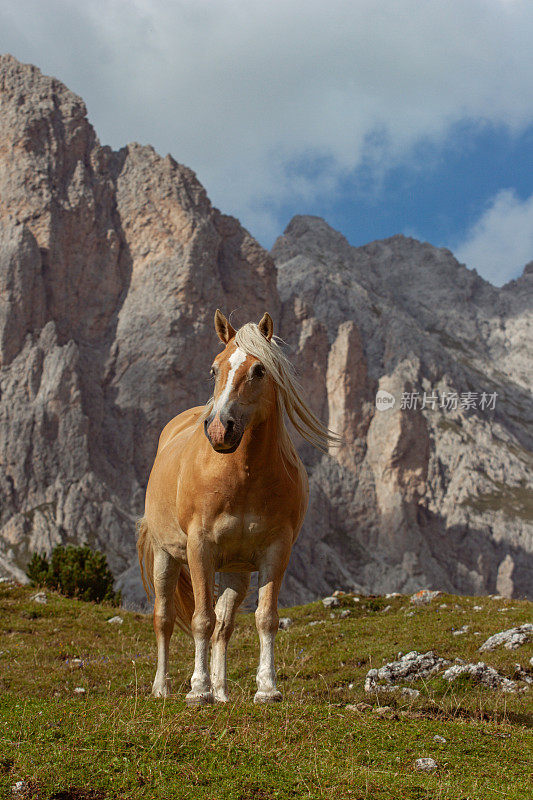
501,242
243,91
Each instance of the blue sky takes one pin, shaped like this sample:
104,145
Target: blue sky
401,116
441,196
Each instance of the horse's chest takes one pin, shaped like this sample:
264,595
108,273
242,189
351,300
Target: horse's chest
238,529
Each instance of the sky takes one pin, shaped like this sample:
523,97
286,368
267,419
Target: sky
396,116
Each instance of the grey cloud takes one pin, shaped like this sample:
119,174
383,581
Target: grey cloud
242,90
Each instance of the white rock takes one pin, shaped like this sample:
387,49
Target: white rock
477,608
410,667
481,673
330,602
380,688
40,597
522,674
460,631
19,787
439,739
423,597
443,605
115,620
345,613
425,764
392,594
407,692
511,638
79,690
387,608
285,623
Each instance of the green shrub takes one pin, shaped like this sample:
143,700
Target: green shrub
75,572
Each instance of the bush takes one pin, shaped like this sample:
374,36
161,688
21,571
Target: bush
75,572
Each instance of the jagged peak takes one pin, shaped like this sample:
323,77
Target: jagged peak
301,224
27,79
398,254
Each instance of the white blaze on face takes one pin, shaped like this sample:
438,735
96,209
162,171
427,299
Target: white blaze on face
237,358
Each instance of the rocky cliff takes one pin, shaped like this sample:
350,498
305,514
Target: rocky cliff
111,264
110,267
438,492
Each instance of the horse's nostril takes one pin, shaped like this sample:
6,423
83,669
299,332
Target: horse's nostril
230,425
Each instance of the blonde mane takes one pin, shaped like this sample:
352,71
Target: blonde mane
290,394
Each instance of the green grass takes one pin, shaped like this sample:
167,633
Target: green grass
515,501
116,742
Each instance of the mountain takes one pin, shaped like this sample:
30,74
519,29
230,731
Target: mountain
111,265
432,496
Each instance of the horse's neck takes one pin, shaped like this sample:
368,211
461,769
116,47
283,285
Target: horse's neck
259,446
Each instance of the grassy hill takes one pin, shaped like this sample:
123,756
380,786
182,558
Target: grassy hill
114,741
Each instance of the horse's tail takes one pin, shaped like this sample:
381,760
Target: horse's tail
145,551
183,595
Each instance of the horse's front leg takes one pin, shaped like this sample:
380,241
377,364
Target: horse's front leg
232,591
201,566
271,571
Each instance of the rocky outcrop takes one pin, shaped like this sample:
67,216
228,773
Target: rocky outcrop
110,267
437,493
111,264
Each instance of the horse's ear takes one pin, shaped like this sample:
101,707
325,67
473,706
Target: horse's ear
266,326
223,328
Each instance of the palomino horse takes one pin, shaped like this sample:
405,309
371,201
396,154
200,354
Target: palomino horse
227,494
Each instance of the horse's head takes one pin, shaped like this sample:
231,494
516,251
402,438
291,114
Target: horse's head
244,391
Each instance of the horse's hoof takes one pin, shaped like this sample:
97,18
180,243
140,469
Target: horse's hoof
221,697
160,691
268,697
200,699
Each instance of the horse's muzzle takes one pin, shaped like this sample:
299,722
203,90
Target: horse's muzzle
223,432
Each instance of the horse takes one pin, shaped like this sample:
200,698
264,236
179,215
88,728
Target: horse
227,494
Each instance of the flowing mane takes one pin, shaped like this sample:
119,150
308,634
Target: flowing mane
290,394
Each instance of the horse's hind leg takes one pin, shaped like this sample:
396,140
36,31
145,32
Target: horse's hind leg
166,574
232,591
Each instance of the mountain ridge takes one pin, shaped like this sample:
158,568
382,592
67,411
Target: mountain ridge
111,264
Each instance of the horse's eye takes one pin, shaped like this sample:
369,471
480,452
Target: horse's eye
258,371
